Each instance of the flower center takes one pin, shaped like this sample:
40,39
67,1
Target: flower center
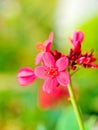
40,46
52,72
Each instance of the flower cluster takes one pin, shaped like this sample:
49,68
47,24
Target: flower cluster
54,67
75,54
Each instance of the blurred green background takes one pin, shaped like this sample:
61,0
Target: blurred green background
24,23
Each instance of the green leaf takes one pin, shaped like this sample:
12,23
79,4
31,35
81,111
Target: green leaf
67,121
90,122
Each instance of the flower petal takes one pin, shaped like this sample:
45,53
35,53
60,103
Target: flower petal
39,58
50,84
51,36
48,59
77,39
63,78
78,36
62,63
48,43
26,76
40,72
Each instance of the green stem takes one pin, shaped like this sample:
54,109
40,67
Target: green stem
75,106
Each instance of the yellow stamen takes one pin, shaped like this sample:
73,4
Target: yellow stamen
40,46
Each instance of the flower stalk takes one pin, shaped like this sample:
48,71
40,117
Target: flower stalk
75,106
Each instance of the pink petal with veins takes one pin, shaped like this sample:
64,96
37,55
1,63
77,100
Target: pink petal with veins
40,72
48,59
50,84
39,58
62,63
63,78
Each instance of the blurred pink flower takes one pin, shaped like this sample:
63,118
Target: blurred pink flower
44,47
26,76
53,72
47,100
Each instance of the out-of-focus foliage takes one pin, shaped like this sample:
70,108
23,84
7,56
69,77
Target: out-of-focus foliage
18,110
68,120
23,23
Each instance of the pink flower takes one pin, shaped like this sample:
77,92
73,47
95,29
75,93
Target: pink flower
53,72
44,47
76,40
26,76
